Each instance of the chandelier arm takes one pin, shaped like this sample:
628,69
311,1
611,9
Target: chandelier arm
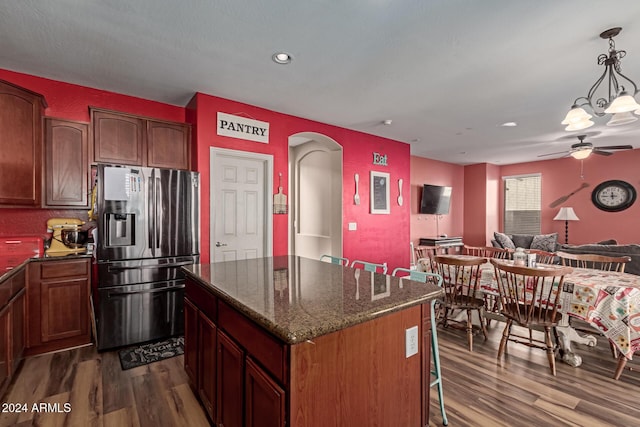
635,87
592,91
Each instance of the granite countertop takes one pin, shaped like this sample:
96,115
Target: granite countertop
298,299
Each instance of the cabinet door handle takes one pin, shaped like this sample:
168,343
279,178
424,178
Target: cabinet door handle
218,244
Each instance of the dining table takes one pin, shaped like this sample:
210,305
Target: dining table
608,301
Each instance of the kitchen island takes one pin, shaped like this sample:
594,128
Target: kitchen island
298,342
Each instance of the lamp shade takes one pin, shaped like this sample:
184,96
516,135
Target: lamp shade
622,119
624,102
582,153
566,214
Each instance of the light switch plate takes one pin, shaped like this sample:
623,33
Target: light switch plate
353,226
411,341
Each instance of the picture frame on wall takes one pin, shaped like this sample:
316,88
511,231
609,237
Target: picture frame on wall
379,188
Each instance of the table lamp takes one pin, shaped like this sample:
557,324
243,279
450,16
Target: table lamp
566,215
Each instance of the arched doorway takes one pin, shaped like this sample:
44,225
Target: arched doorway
315,183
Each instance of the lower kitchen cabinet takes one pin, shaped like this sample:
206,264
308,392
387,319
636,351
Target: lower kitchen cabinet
58,305
12,330
265,399
206,355
233,388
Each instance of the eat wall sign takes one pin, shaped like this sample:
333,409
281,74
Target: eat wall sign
379,159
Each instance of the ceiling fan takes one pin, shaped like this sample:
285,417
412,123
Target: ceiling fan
582,150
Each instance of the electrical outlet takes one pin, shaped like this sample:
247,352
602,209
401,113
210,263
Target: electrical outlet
411,341
353,226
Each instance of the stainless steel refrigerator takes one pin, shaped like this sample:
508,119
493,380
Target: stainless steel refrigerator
148,227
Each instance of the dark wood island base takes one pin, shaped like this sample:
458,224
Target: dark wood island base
297,342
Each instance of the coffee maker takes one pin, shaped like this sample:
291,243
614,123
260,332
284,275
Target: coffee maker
67,237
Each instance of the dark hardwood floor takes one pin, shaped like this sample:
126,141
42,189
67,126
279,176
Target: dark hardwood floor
519,391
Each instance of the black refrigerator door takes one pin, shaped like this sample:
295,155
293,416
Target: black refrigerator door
130,315
147,213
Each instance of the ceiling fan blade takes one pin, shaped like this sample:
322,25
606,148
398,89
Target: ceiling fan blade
553,154
600,152
615,147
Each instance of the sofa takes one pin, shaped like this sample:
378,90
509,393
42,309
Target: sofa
548,242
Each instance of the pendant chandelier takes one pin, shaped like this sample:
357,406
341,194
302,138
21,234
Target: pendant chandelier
618,100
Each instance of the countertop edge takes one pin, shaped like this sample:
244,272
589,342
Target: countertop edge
313,333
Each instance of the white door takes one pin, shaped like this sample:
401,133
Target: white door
240,205
317,222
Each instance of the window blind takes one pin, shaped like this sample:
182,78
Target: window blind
522,204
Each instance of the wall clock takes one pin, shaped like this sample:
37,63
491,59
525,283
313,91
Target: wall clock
613,196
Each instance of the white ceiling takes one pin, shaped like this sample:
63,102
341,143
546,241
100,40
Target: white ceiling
447,72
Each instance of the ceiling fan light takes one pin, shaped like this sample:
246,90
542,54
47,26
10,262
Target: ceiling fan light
582,153
621,119
575,115
623,103
586,123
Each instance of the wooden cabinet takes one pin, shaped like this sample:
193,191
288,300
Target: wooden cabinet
121,138
20,145
191,342
12,330
265,399
66,163
233,388
58,305
230,382
168,145
207,333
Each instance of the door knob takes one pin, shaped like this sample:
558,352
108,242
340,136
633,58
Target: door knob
218,244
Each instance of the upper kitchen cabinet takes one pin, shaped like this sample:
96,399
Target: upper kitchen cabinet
168,145
66,163
121,138
117,138
20,145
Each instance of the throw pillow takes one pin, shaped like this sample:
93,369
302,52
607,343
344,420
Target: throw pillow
545,242
522,240
504,240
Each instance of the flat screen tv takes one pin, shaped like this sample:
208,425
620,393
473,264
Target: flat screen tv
435,199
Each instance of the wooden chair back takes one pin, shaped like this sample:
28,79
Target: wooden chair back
543,257
486,251
529,296
594,261
461,279
425,257
334,260
369,266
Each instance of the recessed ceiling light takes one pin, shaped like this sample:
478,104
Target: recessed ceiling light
509,124
387,122
281,58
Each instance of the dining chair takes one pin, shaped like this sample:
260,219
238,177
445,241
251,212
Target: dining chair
543,257
425,255
369,266
436,373
461,278
334,260
486,251
597,262
529,298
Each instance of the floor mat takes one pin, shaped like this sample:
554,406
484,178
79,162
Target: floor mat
133,357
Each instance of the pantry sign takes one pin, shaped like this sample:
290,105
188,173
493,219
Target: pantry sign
242,128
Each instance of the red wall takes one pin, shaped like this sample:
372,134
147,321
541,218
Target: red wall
562,176
427,171
379,238
72,102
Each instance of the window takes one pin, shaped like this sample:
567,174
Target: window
522,204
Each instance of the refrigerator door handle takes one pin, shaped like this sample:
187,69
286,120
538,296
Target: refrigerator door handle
158,222
146,291
151,202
